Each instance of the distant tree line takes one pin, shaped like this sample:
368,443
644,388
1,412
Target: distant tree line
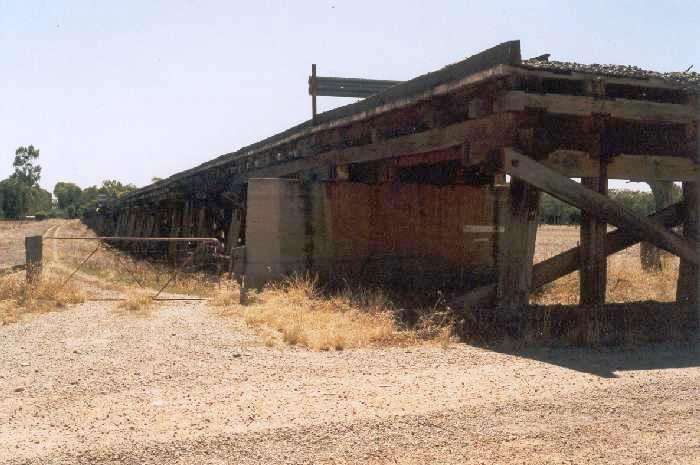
21,196
554,211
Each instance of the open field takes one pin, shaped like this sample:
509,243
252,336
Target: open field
197,383
12,235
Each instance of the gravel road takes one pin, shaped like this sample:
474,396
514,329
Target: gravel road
183,385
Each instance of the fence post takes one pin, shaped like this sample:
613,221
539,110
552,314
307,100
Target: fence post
34,247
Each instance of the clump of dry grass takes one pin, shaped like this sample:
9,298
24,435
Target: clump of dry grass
136,301
49,293
226,294
302,316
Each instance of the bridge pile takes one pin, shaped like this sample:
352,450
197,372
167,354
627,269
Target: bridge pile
408,187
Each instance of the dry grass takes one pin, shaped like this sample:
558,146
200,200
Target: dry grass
17,299
299,314
137,301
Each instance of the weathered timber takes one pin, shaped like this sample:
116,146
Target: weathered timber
484,135
649,255
175,228
347,87
33,258
569,261
234,231
517,246
688,288
638,110
608,210
579,164
593,276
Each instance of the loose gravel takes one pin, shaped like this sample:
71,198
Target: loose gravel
688,79
183,385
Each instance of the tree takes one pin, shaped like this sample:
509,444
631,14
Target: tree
109,190
27,171
20,194
114,189
15,197
67,194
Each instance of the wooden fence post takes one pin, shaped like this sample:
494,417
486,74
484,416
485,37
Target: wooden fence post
33,258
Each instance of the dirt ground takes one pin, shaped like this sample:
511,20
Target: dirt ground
92,384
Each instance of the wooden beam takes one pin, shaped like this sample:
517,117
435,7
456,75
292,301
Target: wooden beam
483,135
538,175
688,288
562,104
569,261
593,276
578,164
516,246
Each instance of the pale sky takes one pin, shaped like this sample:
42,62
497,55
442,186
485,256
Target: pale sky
130,90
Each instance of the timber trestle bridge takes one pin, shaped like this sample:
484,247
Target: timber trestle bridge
436,181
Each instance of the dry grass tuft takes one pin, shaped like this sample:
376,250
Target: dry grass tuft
227,294
137,301
302,316
51,292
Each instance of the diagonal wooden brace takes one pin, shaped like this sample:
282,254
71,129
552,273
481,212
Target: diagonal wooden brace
570,260
536,174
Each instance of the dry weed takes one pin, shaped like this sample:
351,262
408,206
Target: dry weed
302,316
49,293
137,301
226,294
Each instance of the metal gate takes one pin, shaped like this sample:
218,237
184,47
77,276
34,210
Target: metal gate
150,262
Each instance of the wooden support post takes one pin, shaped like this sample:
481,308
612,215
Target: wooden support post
130,223
312,88
650,255
202,229
234,231
516,246
33,246
175,226
688,288
593,275
187,220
